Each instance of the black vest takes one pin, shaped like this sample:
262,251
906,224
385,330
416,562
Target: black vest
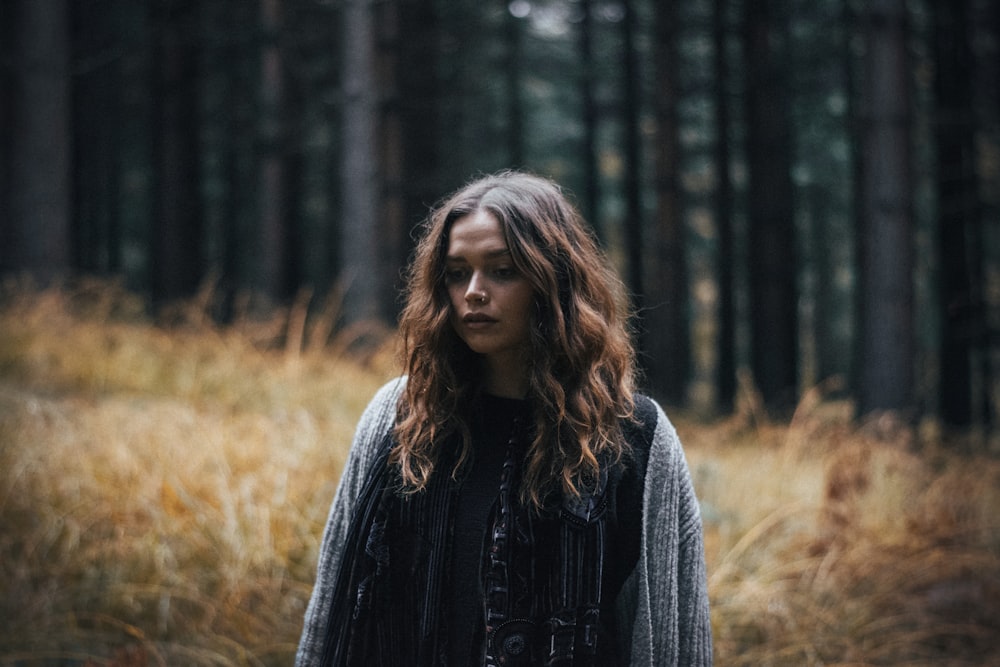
550,576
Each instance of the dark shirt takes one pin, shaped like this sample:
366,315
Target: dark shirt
500,418
477,494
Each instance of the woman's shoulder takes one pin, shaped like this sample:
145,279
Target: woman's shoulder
640,429
390,392
380,414
651,438
639,432
386,398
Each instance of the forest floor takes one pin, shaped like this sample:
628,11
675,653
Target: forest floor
163,489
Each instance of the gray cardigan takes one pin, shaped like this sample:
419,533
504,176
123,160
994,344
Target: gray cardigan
664,601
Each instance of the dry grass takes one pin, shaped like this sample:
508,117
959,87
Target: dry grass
162,491
833,544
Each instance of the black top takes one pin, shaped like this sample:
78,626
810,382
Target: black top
492,429
499,420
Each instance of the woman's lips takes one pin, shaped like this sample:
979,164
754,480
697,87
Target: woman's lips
477,320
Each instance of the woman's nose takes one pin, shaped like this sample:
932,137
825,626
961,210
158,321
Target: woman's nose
475,292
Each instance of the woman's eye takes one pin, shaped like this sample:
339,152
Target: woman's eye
505,272
454,275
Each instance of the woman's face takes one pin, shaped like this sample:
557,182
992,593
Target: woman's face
491,301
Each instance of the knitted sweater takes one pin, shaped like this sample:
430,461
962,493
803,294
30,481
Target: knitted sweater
663,605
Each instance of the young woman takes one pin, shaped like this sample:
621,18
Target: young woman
512,500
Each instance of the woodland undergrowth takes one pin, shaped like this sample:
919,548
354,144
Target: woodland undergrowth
164,484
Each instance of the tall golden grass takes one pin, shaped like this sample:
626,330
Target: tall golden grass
163,490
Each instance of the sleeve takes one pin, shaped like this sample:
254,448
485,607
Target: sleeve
375,423
668,591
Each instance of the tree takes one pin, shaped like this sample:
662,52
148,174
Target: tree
311,144
35,234
412,142
726,258
514,70
632,157
665,300
771,231
962,325
588,66
273,248
886,341
96,122
177,266
359,166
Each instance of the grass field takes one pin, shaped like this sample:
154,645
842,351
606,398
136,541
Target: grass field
163,489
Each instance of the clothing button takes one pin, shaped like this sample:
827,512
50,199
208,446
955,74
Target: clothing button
511,643
516,644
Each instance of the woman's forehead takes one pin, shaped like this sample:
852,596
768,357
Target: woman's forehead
478,233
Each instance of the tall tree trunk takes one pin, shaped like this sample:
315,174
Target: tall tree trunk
224,57
177,240
590,195
313,154
514,42
273,244
963,325
632,156
773,291
987,87
359,170
7,38
667,340
234,75
886,355
136,182
415,174
726,364
35,237
96,231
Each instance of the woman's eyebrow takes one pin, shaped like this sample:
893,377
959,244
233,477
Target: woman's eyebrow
490,254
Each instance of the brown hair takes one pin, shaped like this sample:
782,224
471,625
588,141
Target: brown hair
582,362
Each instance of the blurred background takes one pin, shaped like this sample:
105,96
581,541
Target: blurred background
206,206
806,191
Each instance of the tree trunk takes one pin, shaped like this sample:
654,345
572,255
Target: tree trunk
96,228
416,176
35,237
667,341
987,101
590,195
632,157
7,37
134,149
726,363
271,277
314,155
359,171
886,355
515,104
962,325
177,243
771,231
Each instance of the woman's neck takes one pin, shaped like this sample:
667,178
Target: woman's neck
506,379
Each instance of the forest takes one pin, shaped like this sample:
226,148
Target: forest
206,208
797,193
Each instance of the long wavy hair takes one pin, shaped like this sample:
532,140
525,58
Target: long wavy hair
581,360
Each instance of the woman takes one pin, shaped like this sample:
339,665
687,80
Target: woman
512,500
